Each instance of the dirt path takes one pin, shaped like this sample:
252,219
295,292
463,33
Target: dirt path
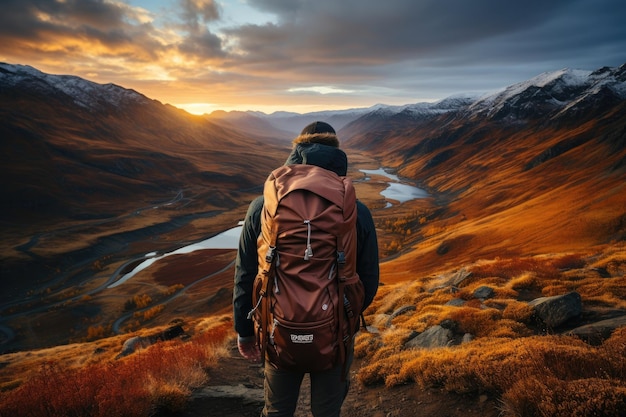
378,401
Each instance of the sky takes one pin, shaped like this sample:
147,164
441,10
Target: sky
304,56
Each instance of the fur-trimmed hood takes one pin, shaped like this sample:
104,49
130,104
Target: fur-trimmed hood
318,145
329,139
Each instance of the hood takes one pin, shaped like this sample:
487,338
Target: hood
323,156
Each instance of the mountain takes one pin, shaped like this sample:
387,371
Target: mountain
537,167
559,94
74,148
93,174
292,123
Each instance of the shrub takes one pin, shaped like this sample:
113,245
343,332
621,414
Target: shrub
538,396
158,377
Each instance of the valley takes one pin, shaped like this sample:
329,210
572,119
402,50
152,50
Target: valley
99,271
518,195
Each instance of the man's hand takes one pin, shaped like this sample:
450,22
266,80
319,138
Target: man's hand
249,349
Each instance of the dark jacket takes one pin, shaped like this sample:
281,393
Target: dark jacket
246,265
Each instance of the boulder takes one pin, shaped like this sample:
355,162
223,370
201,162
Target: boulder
432,337
132,344
455,302
556,310
484,292
136,342
596,333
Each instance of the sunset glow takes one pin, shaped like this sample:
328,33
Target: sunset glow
205,55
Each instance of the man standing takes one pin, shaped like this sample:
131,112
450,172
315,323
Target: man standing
316,145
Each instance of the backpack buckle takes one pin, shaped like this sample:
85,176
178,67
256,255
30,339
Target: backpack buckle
269,255
341,257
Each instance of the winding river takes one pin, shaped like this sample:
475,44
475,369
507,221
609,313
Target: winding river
397,189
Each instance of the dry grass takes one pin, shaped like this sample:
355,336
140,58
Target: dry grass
159,377
533,373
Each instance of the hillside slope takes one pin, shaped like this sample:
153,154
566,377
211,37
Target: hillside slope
94,175
75,148
536,168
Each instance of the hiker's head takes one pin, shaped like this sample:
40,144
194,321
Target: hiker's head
318,132
318,145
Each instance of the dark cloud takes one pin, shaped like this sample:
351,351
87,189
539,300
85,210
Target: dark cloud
201,43
195,12
325,33
32,17
52,28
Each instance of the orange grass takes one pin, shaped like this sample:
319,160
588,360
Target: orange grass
534,374
159,377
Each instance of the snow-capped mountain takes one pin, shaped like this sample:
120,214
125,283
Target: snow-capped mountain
564,99
84,93
554,93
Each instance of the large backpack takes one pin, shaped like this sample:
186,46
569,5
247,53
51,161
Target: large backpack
307,294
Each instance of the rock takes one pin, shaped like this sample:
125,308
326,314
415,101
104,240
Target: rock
399,311
435,336
467,337
412,335
132,344
596,333
556,310
449,324
451,280
136,342
484,292
456,302
170,333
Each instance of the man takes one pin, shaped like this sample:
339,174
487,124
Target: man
317,145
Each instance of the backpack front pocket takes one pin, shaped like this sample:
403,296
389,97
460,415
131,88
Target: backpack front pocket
303,347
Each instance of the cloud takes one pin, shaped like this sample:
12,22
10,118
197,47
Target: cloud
370,50
354,32
420,47
76,30
319,89
192,11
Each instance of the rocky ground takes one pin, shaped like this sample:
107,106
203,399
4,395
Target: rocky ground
235,389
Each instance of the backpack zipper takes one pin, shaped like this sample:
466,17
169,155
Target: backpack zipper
308,252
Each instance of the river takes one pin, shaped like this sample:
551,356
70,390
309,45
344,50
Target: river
229,239
397,189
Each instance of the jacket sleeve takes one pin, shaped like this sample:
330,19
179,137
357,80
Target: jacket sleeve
367,253
246,266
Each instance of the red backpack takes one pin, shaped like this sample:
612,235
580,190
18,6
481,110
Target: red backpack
307,294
